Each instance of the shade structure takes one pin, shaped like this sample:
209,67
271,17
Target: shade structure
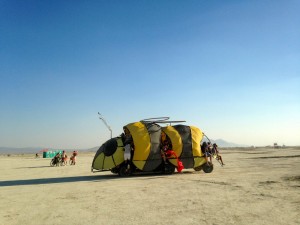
186,144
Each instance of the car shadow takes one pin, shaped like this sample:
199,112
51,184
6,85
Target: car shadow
56,180
91,178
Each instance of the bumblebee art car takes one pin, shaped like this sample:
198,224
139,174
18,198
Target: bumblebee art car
152,148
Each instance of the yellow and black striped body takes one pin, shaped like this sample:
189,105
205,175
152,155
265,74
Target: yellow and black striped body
146,139
186,144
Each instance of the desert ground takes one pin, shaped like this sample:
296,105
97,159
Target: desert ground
256,186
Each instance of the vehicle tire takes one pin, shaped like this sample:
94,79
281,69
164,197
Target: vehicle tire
114,170
198,168
208,167
169,168
124,171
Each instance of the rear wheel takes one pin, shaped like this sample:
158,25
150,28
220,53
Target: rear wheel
198,168
169,168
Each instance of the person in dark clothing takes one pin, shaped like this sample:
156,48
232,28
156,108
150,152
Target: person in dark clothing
205,148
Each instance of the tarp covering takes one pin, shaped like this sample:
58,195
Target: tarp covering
109,155
146,139
186,144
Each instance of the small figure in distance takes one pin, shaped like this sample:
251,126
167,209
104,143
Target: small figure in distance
64,158
56,159
206,151
36,155
73,158
215,151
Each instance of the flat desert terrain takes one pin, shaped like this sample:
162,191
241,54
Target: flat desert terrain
256,186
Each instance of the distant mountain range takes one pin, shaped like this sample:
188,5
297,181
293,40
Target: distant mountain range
12,150
226,144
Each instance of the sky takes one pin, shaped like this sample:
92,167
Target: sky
231,68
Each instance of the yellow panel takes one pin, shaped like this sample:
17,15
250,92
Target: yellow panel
176,142
175,139
173,161
199,161
119,156
139,164
98,163
108,163
141,140
197,136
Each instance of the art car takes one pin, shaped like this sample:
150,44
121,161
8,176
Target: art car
149,146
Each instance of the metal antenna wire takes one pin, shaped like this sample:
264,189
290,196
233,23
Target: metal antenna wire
104,121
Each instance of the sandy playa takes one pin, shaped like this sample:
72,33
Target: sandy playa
259,186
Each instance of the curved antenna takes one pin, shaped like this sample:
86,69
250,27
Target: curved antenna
104,121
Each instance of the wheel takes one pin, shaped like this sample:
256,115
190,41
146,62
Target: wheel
124,171
208,167
114,170
169,168
52,162
198,168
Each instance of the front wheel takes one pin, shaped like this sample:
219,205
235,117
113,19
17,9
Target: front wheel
124,171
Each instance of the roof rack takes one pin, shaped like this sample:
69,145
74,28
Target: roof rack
164,119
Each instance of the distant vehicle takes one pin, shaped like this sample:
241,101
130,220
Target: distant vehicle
153,148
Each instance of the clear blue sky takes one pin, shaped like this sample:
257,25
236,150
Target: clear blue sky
232,68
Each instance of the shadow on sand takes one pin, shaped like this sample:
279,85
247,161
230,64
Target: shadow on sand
31,167
92,178
56,180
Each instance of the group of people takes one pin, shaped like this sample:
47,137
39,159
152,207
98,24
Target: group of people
64,158
210,151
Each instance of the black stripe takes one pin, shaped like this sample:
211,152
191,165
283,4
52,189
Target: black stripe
154,158
187,153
